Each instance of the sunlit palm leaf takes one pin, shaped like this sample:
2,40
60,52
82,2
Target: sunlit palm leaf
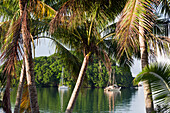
127,30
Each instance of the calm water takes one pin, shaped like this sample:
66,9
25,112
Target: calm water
89,101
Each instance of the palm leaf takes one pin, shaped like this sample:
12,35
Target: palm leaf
74,13
8,9
164,8
71,63
127,30
11,48
158,75
41,10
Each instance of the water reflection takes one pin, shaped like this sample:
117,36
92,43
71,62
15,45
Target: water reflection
112,97
51,100
89,101
62,93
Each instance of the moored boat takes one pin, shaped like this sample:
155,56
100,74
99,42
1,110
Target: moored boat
64,87
112,88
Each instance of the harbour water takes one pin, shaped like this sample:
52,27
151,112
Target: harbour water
89,100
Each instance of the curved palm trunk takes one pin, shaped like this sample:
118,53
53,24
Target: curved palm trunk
20,89
6,98
28,58
78,85
144,62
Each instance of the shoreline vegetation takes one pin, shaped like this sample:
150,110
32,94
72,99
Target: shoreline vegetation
48,72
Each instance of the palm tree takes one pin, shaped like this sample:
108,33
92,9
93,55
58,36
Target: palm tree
27,38
28,56
10,54
85,22
20,89
158,76
80,46
12,41
135,30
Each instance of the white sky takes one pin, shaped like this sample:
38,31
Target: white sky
136,67
44,48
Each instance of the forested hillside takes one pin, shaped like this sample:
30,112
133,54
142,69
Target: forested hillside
48,72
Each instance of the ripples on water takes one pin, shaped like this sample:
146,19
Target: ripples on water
89,101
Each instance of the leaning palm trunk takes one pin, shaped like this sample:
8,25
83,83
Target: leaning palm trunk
144,62
20,89
78,85
6,97
28,58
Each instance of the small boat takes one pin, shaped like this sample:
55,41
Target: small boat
113,86
64,87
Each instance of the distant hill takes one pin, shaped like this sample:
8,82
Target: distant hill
48,71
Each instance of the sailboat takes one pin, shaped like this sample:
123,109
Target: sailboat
63,86
113,86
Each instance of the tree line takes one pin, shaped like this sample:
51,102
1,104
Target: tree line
48,71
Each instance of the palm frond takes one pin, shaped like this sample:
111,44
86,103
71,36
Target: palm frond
74,13
11,48
164,8
136,13
69,60
41,10
8,9
124,60
158,76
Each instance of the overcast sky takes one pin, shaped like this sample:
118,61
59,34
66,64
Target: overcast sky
44,47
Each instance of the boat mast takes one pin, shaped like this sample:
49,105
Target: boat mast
114,82
62,74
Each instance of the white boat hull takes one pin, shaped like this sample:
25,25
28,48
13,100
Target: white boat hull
111,88
63,87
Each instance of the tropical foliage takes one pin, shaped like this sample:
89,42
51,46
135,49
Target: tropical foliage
85,20
158,75
48,70
135,33
139,13
16,41
78,25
